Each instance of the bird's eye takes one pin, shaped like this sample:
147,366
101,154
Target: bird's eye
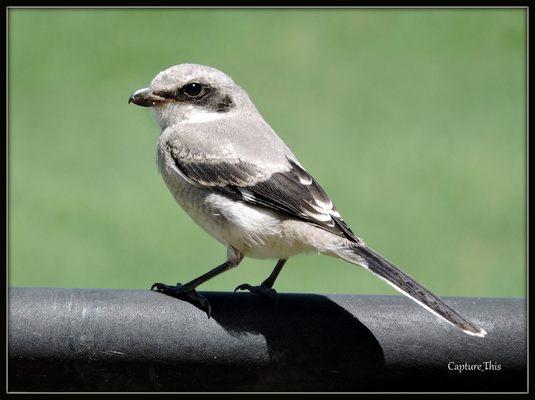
193,89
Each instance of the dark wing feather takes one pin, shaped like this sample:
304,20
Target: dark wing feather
294,192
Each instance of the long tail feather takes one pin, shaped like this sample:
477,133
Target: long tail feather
406,285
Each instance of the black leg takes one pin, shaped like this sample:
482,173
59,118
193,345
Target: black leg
266,287
187,291
270,280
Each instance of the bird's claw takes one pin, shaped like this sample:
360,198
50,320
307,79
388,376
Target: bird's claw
160,287
189,295
265,291
243,286
201,302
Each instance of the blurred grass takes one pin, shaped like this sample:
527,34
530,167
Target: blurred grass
412,120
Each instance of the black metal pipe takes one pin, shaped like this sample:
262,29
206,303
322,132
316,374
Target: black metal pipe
138,340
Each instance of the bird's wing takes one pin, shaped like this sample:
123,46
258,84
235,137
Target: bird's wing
291,190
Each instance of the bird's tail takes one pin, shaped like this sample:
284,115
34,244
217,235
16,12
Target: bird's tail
368,258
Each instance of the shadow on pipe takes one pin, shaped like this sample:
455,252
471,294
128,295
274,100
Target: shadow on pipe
320,343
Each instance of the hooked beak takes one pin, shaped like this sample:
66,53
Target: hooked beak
146,98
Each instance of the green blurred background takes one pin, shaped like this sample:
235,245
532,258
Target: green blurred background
412,120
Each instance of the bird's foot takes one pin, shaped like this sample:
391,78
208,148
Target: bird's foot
181,292
265,291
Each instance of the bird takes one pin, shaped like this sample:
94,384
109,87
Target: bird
238,180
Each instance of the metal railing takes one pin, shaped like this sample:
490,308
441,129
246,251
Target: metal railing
138,340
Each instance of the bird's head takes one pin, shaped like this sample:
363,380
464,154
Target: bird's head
191,93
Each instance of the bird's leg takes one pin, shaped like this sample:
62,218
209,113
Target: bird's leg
266,287
187,291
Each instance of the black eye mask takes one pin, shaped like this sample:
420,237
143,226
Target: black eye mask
201,94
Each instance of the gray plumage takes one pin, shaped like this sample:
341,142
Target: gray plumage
239,181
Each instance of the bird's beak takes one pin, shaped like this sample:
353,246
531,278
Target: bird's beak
146,98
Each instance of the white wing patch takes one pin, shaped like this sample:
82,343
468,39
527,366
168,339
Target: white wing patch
325,211
307,180
323,217
247,194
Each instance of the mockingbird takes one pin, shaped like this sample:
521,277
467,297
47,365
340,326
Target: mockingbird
239,181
